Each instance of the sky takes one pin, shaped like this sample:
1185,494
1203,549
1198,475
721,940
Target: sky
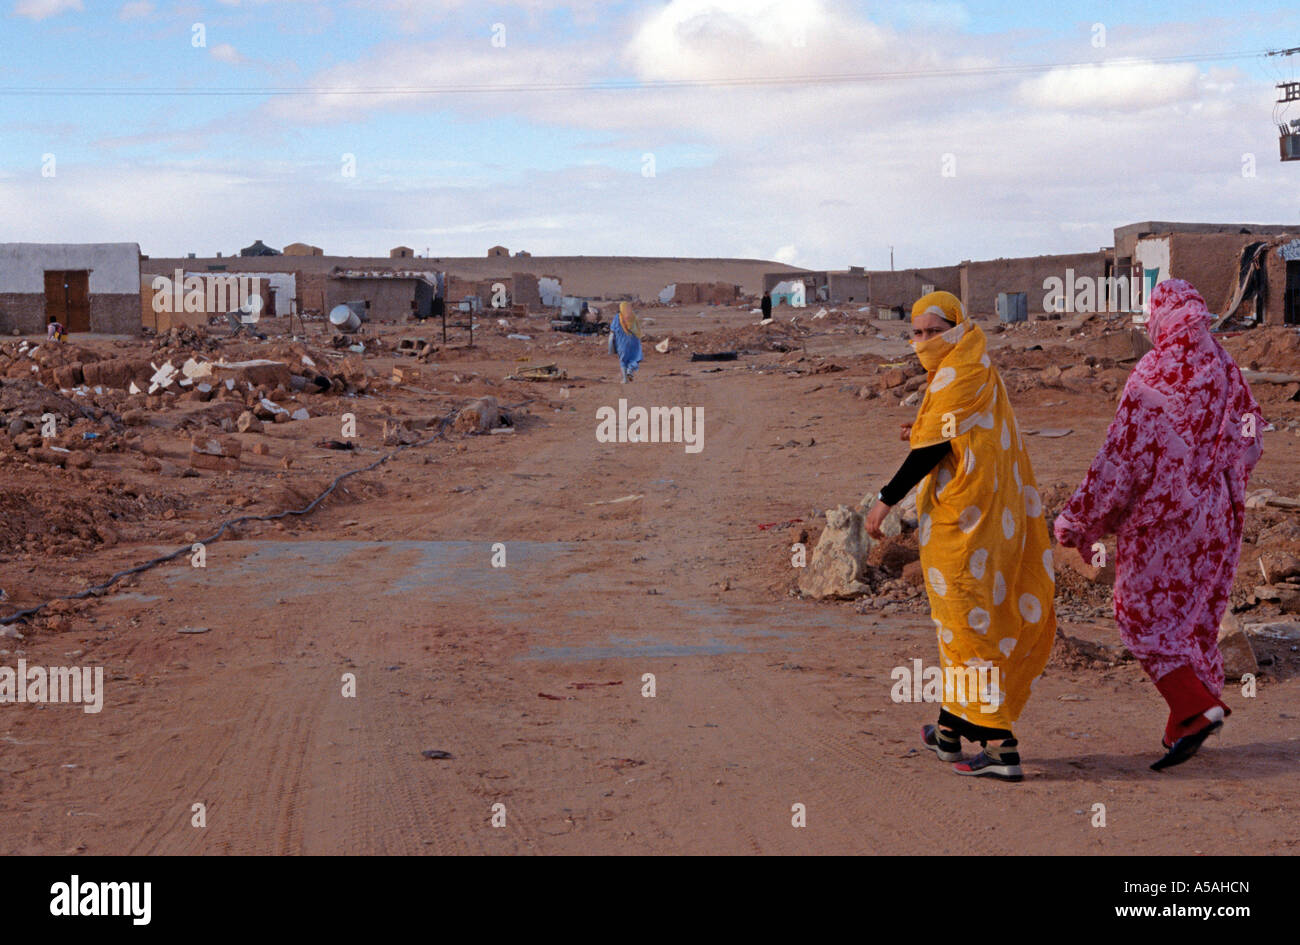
819,133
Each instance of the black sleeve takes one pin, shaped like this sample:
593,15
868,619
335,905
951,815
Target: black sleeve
919,464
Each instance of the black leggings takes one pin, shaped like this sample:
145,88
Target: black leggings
969,730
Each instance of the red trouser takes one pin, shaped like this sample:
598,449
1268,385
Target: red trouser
1187,698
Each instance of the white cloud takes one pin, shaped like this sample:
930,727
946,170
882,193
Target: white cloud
135,10
227,53
1135,85
787,255
44,9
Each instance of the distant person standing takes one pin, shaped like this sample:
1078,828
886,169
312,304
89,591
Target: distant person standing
767,306
625,340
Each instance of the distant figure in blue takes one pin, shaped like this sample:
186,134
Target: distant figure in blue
625,340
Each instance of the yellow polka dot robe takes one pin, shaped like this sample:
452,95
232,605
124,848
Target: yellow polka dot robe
985,551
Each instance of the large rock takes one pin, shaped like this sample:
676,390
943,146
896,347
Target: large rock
478,417
894,377
838,563
1234,644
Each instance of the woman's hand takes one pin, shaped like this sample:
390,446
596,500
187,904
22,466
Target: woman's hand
907,431
875,518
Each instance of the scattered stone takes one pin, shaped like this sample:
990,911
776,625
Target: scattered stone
1238,653
248,423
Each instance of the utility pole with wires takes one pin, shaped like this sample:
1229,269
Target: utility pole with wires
1288,131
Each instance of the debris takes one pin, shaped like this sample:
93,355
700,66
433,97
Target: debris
547,695
543,372
193,629
521,337
593,685
1050,433
620,500
765,527
333,445
436,754
662,347
715,356
247,423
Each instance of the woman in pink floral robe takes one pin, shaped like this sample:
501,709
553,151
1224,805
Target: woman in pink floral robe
1170,483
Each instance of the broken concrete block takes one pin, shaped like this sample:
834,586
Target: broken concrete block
215,445
259,373
836,568
300,414
478,417
216,463
261,449
1238,653
247,423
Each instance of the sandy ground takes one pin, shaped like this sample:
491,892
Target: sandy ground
531,675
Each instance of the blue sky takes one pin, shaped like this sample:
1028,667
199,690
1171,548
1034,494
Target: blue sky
206,146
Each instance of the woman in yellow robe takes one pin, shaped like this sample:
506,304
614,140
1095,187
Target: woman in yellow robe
985,551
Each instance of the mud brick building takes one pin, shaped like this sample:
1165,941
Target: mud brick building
86,286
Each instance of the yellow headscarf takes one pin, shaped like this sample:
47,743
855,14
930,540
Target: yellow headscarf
985,550
627,320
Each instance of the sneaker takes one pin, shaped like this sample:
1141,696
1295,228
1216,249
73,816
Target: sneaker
1185,747
1002,763
948,749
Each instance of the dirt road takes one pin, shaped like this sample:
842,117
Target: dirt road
532,675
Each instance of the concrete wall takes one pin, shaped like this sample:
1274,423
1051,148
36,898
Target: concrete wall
850,285
117,314
890,288
114,267
390,299
982,281
811,280
1212,263
523,290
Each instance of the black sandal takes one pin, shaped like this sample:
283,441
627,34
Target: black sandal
944,744
1187,746
1002,763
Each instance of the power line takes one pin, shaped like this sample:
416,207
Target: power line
633,85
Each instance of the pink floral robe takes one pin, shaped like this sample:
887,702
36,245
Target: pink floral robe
1170,484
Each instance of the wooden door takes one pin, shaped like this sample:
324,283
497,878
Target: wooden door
67,298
